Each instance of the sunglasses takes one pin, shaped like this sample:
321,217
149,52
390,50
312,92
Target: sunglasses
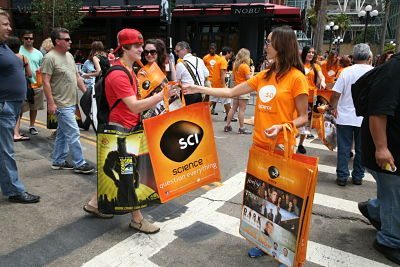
28,38
151,52
65,39
267,42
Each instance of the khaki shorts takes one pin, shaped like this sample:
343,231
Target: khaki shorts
38,102
224,101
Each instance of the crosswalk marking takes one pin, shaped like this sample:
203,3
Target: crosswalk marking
137,249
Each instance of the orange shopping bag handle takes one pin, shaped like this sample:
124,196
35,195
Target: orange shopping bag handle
289,139
166,98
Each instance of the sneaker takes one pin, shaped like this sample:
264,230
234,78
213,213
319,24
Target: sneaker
24,198
33,131
244,131
227,128
357,181
255,252
310,136
213,112
85,168
392,254
64,166
301,149
341,182
144,226
362,207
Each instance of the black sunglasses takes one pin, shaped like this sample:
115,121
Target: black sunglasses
65,39
151,52
28,38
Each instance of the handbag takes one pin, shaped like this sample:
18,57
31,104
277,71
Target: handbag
277,200
51,122
182,149
30,93
323,120
125,179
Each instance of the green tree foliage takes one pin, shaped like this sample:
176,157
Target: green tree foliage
64,13
343,21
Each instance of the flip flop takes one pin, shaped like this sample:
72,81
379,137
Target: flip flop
22,138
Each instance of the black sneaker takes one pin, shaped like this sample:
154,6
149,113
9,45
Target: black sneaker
341,182
301,149
65,166
33,131
244,131
24,198
392,254
362,207
85,168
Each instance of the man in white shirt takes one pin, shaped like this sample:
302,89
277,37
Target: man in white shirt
348,124
190,70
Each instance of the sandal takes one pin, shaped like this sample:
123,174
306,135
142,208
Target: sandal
22,138
95,212
144,226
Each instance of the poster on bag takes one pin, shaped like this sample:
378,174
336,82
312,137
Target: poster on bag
125,179
323,120
274,206
182,149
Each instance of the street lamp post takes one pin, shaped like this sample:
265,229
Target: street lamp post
332,28
337,42
367,15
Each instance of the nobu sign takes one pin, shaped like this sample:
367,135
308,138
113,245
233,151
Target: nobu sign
248,10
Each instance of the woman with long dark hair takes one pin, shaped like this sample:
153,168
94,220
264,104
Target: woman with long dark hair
316,80
281,93
155,51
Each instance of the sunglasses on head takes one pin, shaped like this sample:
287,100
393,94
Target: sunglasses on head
151,52
28,38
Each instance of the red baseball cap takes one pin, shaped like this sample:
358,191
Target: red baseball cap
128,36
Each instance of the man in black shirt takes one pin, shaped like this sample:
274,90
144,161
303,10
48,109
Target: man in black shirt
12,94
380,135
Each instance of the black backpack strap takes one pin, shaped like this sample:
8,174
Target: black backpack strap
117,67
195,67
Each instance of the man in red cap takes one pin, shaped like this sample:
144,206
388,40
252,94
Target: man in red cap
126,112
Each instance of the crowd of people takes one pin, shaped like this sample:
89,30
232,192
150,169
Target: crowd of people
284,87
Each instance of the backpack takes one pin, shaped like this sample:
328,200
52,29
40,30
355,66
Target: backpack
361,88
103,109
104,65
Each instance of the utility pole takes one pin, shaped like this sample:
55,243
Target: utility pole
319,37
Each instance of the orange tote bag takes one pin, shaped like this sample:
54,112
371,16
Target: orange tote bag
182,150
277,202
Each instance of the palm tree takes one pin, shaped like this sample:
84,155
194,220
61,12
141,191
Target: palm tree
343,21
387,4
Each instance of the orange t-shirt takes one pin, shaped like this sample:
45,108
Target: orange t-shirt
275,102
330,74
240,74
210,61
217,81
310,74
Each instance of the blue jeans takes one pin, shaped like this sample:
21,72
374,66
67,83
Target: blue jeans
386,208
9,179
67,137
345,136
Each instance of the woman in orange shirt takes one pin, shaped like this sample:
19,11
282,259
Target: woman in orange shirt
282,92
241,73
330,68
315,80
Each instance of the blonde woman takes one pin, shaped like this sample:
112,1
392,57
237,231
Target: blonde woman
46,46
241,72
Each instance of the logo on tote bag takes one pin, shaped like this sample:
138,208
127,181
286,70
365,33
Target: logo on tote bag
180,140
273,172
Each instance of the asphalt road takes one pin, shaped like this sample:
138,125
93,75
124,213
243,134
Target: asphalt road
197,229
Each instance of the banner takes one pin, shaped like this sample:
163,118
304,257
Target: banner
125,179
323,120
182,150
277,203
